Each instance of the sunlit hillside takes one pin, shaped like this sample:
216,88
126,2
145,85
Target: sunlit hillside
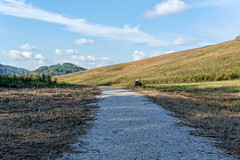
210,63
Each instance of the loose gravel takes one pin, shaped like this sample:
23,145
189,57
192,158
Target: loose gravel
128,126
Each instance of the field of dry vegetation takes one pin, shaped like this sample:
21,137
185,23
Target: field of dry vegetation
211,63
41,123
212,107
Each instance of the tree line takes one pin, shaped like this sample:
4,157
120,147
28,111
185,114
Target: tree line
27,80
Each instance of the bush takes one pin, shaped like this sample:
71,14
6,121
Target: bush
237,38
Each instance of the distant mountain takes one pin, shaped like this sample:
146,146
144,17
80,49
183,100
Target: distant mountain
59,69
10,70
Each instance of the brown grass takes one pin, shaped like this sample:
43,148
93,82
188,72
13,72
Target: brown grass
41,123
213,108
215,61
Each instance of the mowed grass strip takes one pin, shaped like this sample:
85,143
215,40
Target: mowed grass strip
214,107
42,123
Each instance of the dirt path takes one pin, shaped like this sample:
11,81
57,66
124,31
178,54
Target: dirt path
129,126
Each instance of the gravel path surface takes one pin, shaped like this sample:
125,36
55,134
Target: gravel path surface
129,126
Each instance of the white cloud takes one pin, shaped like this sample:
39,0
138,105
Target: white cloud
39,58
90,61
168,52
126,33
58,51
71,51
28,47
181,42
104,59
154,54
90,58
79,57
66,52
167,8
24,56
137,55
18,55
83,41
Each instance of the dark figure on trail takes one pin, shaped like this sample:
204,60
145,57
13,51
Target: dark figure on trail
138,82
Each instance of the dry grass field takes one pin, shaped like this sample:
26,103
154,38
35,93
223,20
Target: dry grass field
41,123
214,107
210,63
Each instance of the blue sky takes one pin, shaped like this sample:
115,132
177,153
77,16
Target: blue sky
97,33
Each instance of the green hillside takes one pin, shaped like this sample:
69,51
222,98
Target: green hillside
10,70
210,63
59,69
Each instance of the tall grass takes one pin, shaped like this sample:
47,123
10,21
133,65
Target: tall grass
199,77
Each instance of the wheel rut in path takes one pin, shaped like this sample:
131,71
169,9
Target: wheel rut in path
129,126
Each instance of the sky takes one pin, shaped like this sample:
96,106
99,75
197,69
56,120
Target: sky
96,33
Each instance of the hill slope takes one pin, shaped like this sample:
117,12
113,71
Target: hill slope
59,69
217,62
10,70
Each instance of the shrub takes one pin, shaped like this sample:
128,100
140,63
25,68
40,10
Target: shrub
237,38
26,80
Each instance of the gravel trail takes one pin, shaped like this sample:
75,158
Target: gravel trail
128,126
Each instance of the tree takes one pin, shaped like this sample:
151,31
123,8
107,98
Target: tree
237,38
43,78
49,81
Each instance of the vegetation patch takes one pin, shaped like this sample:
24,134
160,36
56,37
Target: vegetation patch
213,107
42,123
191,78
238,38
117,68
59,69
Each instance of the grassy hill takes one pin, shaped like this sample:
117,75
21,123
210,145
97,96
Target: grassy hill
10,70
59,69
210,63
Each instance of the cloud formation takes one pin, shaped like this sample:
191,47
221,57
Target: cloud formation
182,42
88,61
90,58
24,56
66,52
28,47
126,33
18,55
83,41
137,55
39,58
166,8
